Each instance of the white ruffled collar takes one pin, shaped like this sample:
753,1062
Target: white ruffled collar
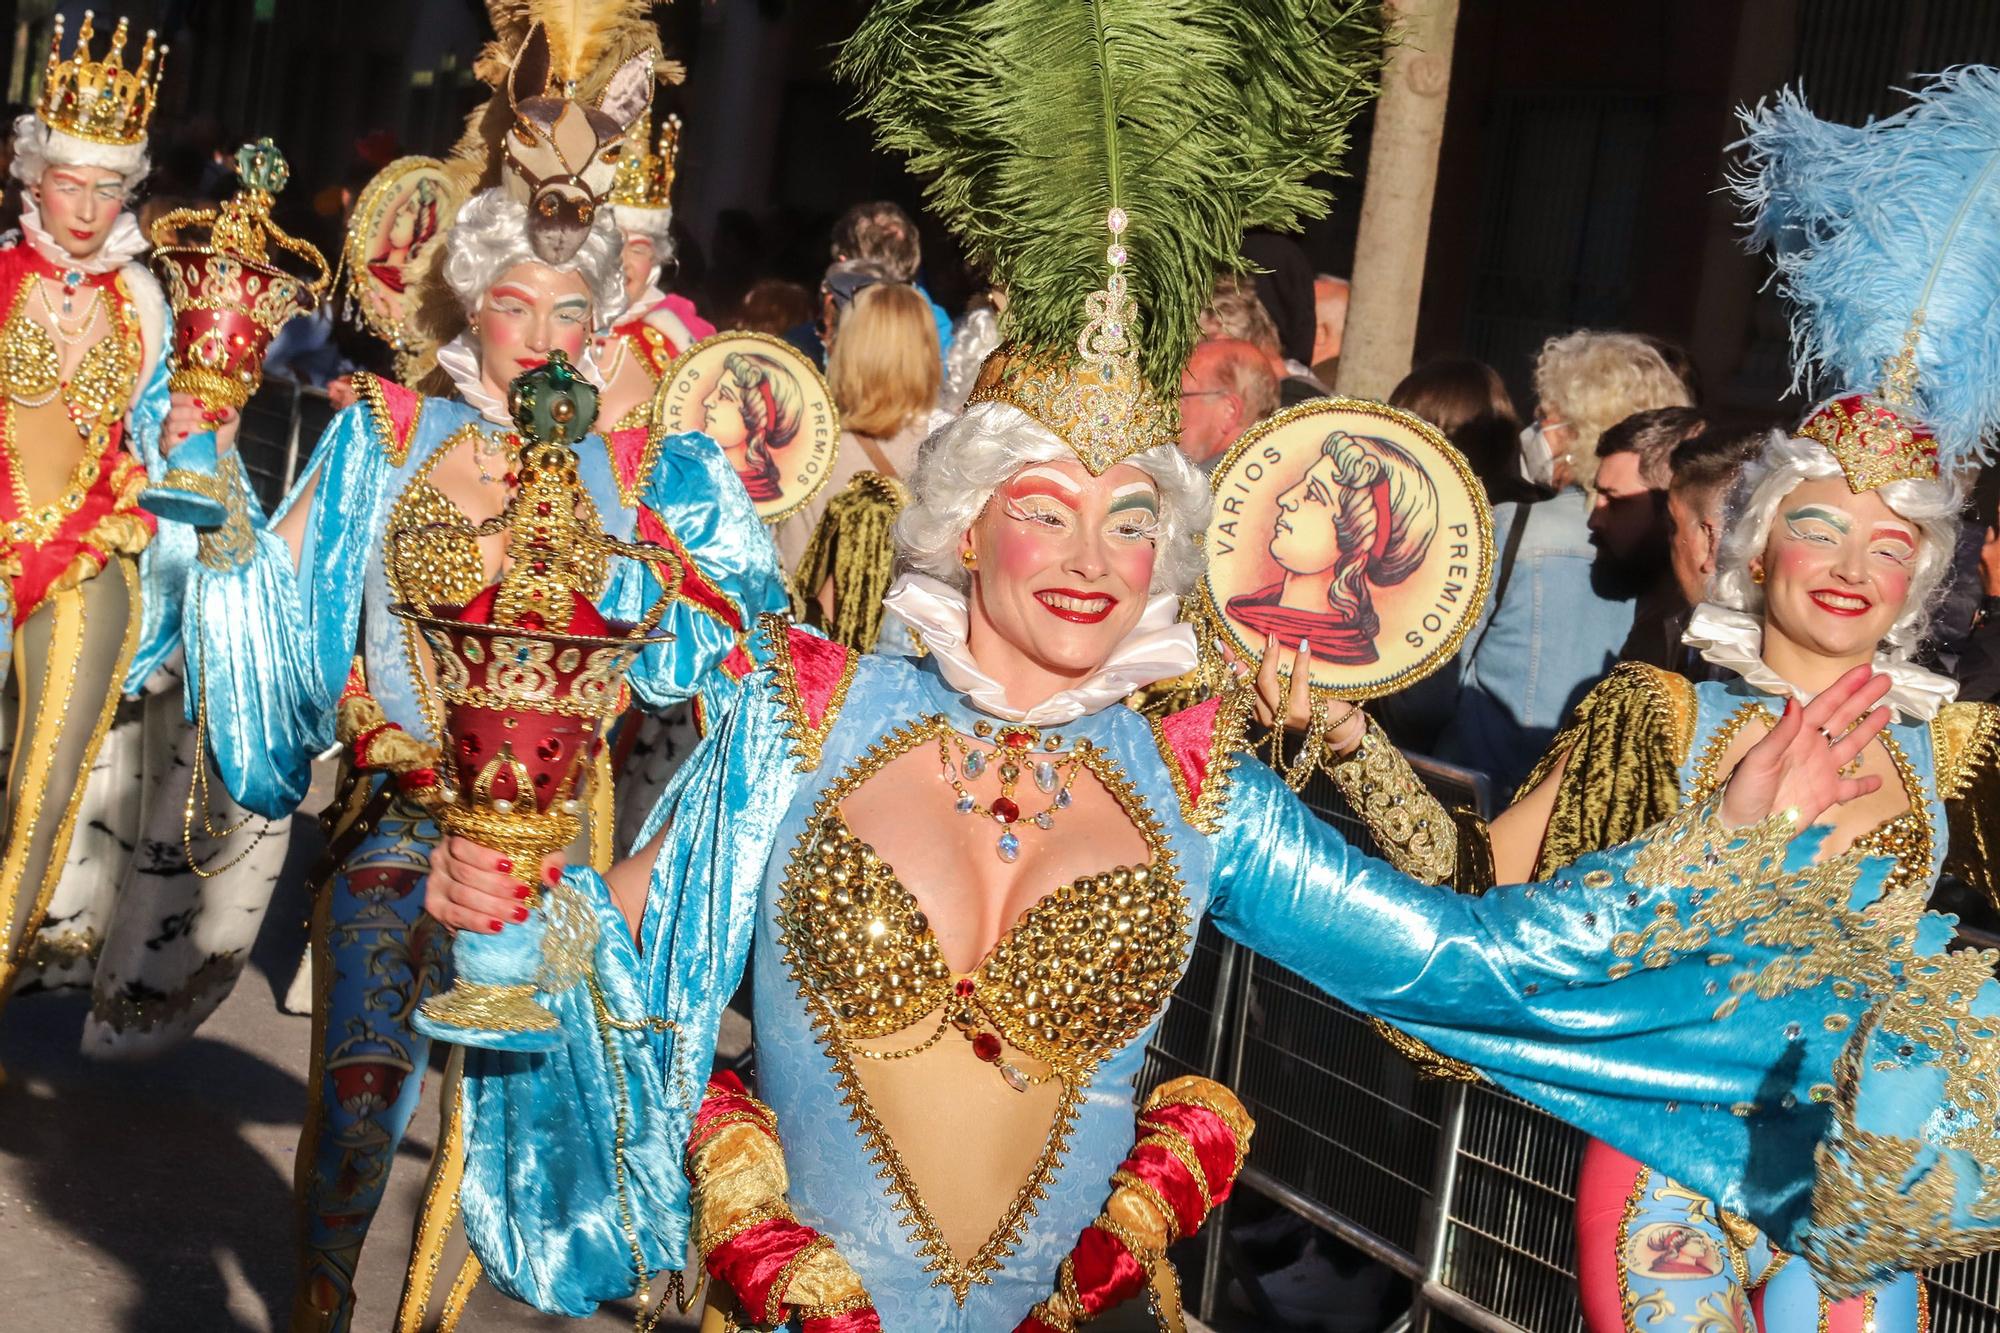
459,359
1735,640
1158,648
125,243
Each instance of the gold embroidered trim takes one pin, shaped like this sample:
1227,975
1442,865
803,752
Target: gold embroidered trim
649,457
1073,1070
1411,829
66,640
1966,738
1226,741
434,1220
234,544
369,388
1674,701
807,739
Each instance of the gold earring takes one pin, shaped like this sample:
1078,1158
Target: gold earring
969,559
1756,574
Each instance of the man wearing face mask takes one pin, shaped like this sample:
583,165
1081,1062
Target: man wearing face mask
1549,629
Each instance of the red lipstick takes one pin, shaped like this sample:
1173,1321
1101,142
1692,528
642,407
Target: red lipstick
1825,600
1082,608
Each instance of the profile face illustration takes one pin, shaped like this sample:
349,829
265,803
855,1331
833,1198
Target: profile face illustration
752,411
404,233
1361,516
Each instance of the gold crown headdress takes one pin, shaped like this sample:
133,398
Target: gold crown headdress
646,180
100,100
1101,159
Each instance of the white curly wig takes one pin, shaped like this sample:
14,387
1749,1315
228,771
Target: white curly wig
1933,506
37,148
491,236
962,464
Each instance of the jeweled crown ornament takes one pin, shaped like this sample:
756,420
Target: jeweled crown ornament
229,302
100,100
646,179
527,678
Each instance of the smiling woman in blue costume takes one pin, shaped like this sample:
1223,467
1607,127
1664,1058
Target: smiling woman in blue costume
965,886
290,638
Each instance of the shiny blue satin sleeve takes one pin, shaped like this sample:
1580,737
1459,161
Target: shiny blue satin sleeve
732,578
1536,986
273,639
562,1208
168,559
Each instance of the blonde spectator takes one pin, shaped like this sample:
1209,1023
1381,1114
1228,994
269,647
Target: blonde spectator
885,375
1585,383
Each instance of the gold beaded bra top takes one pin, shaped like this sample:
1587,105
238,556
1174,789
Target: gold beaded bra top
1078,975
98,392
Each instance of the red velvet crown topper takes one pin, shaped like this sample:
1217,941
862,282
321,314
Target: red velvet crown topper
527,676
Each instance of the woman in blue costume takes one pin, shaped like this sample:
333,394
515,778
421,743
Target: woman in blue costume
1836,551
293,648
966,885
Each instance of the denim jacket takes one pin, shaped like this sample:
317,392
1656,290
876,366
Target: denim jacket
1531,658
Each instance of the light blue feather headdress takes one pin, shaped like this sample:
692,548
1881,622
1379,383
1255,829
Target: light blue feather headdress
1887,242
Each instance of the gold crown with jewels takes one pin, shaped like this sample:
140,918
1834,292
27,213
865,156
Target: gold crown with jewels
100,100
646,180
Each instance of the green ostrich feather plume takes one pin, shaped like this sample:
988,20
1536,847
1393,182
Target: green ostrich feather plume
1034,118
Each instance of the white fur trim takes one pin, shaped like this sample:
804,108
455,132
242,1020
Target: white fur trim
654,222
66,150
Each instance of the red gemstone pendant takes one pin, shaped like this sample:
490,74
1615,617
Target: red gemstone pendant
1005,810
987,1047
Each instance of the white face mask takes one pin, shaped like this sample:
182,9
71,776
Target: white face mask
1538,459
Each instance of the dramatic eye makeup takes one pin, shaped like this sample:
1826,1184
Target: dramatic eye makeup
573,308
1895,543
1040,495
1135,510
1817,523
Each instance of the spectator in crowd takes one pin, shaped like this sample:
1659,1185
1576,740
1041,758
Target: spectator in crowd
1235,312
882,231
1978,668
1330,325
1282,277
1629,528
1704,470
845,279
1469,402
773,305
1227,388
883,369
1547,633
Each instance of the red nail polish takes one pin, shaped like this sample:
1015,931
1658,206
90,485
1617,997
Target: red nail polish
493,927
522,890
520,914
505,867
552,874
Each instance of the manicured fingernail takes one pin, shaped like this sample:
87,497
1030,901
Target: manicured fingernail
493,927
520,914
552,874
505,867
522,890
1305,647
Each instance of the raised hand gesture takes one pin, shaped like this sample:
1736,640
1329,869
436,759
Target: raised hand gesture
1798,765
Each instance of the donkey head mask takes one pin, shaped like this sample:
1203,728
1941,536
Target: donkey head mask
562,155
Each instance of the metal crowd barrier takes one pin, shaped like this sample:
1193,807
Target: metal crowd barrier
1464,1190
281,424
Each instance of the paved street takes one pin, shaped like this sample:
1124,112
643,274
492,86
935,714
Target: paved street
155,1198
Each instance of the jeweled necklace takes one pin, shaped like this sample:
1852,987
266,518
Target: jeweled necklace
1014,750
504,446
